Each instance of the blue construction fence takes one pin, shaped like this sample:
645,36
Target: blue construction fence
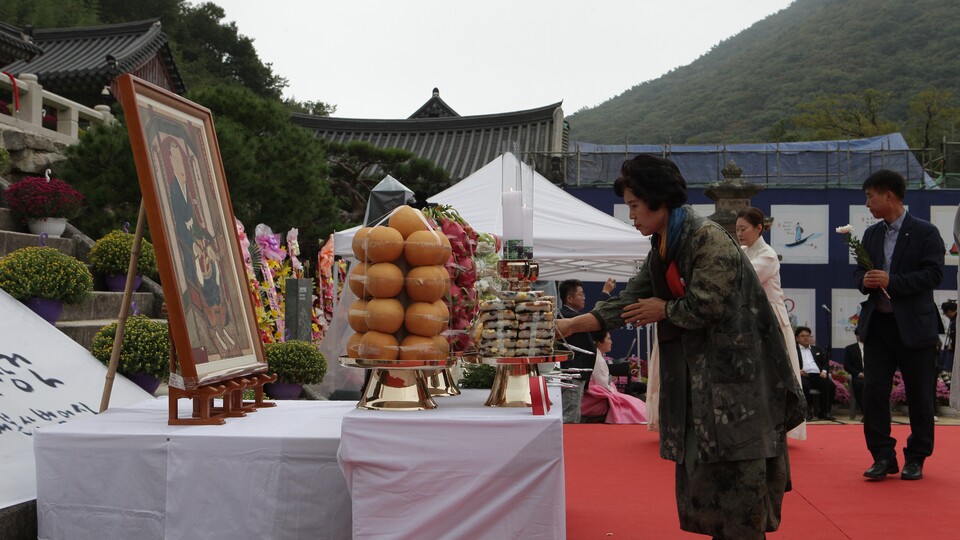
837,273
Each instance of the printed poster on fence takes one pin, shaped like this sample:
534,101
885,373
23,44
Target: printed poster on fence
799,233
801,307
860,218
943,217
845,312
46,378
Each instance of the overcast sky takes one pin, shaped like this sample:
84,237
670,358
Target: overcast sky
382,58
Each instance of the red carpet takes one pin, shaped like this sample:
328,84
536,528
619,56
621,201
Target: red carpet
619,488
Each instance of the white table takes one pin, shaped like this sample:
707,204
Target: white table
127,474
456,472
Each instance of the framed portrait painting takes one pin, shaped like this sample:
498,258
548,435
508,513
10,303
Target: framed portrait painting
210,312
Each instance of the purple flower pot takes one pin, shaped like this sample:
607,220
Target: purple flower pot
47,308
283,390
117,282
149,383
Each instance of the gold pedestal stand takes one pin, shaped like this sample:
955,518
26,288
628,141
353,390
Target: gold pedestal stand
440,382
396,385
511,384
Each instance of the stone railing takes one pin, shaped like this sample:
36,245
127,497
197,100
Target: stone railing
35,102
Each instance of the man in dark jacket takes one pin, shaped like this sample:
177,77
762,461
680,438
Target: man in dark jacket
574,300
814,375
898,323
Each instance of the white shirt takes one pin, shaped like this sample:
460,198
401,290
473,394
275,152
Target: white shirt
809,364
767,266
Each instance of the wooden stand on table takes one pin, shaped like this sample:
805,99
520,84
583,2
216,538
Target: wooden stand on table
205,410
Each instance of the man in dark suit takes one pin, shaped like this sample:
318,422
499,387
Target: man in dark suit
853,364
898,323
574,300
814,375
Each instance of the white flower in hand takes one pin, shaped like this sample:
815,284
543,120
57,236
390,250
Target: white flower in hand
846,229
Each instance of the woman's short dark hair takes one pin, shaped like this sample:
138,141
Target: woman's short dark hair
887,180
752,215
599,335
654,180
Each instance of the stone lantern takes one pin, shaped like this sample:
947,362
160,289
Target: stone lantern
731,195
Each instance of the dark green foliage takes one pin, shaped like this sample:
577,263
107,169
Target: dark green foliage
748,87
49,13
275,170
357,166
101,167
145,347
210,52
478,376
295,362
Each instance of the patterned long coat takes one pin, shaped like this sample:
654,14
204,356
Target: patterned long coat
725,363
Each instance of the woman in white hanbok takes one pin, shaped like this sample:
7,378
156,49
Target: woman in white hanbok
767,265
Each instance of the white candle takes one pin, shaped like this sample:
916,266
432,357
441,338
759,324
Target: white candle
512,216
527,231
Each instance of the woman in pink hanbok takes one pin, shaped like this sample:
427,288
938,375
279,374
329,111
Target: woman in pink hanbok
603,398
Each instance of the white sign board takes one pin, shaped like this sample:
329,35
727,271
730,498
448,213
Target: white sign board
46,378
799,233
942,217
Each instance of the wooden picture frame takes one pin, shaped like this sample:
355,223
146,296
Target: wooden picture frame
211,316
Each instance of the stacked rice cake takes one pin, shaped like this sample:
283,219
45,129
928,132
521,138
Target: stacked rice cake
518,324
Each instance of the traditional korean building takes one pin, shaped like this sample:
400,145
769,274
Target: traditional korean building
15,44
78,63
459,144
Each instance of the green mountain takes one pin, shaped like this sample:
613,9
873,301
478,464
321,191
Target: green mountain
747,88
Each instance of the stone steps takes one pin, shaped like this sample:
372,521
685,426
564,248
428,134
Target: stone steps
81,321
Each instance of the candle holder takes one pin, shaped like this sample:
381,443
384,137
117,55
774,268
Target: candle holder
511,383
518,273
397,385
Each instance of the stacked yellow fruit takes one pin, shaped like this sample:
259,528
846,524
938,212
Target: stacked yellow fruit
400,284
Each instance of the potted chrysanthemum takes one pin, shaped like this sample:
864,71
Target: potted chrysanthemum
44,279
144,352
44,204
295,363
110,256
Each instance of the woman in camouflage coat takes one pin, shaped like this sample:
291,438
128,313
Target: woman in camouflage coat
728,394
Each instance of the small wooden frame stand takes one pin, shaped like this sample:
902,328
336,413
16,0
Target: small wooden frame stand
230,391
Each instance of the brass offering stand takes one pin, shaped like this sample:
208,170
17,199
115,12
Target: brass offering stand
440,382
511,383
397,385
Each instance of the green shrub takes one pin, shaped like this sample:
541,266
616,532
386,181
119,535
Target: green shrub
111,255
477,376
44,272
145,347
296,362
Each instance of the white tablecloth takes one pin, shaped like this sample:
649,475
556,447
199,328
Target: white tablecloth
461,471
127,474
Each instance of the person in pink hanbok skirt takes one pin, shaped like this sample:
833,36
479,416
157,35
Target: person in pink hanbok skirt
602,396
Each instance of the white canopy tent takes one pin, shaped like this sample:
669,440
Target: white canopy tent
571,239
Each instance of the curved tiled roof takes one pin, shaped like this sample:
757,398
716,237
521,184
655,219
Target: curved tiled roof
460,144
14,45
84,60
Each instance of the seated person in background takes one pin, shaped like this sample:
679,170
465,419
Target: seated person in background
853,364
601,399
815,374
574,300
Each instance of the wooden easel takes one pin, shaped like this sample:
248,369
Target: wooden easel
205,410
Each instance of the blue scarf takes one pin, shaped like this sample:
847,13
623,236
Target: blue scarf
674,225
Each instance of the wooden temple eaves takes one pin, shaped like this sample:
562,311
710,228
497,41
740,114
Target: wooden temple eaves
78,62
459,144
